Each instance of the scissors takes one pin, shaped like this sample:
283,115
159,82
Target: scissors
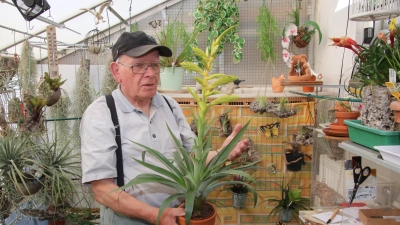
359,175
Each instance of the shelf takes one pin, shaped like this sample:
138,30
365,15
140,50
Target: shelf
325,97
369,154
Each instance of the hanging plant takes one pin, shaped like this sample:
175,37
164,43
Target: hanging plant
109,83
267,29
27,69
224,125
217,16
62,109
50,89
33,109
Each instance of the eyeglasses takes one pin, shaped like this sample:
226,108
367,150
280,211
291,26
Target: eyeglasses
141,68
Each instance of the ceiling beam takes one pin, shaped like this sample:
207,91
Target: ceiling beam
44,30
116,28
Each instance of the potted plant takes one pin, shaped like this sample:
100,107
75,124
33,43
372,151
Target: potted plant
301,33
217,17
50,90
175,35
290,202
189,174
239,192
372,72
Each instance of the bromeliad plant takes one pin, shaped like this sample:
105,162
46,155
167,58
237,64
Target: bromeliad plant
189,173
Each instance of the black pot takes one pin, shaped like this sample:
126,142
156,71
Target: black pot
290,157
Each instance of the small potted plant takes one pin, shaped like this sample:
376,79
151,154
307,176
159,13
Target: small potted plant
239,192
176,37
50,90
290,202
301,33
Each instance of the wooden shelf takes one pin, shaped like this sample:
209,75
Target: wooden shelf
302,83
369,154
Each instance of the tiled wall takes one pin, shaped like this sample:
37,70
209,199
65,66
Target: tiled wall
271,150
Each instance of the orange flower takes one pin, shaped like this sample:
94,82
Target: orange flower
347,42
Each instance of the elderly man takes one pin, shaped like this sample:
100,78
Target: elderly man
142,115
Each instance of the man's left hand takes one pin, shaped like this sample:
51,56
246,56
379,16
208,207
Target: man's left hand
240,147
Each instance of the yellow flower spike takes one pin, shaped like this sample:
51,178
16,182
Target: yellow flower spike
224,99
392,25
192,67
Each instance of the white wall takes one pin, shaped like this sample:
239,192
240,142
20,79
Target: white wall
332,18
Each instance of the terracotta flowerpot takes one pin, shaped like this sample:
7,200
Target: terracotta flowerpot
395,106
57,222
299,78
208,221
276,84
341,116
309,89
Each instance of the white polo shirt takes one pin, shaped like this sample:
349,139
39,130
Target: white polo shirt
98,144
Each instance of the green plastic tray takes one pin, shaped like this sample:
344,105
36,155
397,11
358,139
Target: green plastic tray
370,137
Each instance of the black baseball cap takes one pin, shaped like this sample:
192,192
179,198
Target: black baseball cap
137,44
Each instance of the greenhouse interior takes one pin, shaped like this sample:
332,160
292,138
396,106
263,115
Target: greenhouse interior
226,112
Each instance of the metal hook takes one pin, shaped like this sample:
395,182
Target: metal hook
29,26
50,16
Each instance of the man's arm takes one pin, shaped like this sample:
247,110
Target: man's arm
125,204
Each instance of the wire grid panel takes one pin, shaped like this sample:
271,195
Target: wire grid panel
251,68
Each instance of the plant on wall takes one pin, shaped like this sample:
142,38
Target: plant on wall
27,69
267,29
217,16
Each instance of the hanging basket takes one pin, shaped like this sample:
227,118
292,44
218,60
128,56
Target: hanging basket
298,40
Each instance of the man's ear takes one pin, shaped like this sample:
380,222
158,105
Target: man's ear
114,68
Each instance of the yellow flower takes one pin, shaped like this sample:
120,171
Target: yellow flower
392,26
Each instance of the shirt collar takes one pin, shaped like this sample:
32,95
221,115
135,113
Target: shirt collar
126,106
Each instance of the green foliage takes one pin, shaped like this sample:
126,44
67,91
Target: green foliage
374,63
189,173
216,16
61,110
267,29
262,101
54,83
27,69
174,35
290,200
60,163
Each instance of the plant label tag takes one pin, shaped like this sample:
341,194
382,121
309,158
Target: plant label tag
392,88
392,75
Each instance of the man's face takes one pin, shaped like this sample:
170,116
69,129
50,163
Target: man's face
135,86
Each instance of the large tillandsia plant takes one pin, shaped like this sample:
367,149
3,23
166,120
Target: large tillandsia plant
189,173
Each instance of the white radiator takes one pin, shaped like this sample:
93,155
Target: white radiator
333,174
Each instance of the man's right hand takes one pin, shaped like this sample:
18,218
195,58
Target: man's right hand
169,216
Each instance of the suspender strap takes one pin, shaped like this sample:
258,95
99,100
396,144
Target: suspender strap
114,117
168,103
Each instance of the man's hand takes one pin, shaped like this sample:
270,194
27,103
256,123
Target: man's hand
169,216
240,147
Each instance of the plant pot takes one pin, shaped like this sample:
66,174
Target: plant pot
341,116
370,137
57,222
53,98
285,215
239,200
307,88
172,79
276,85
295,166
32,185
299,78
395,106
298,39
207,221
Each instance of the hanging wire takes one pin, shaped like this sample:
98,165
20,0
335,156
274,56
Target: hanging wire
130,9
344,49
